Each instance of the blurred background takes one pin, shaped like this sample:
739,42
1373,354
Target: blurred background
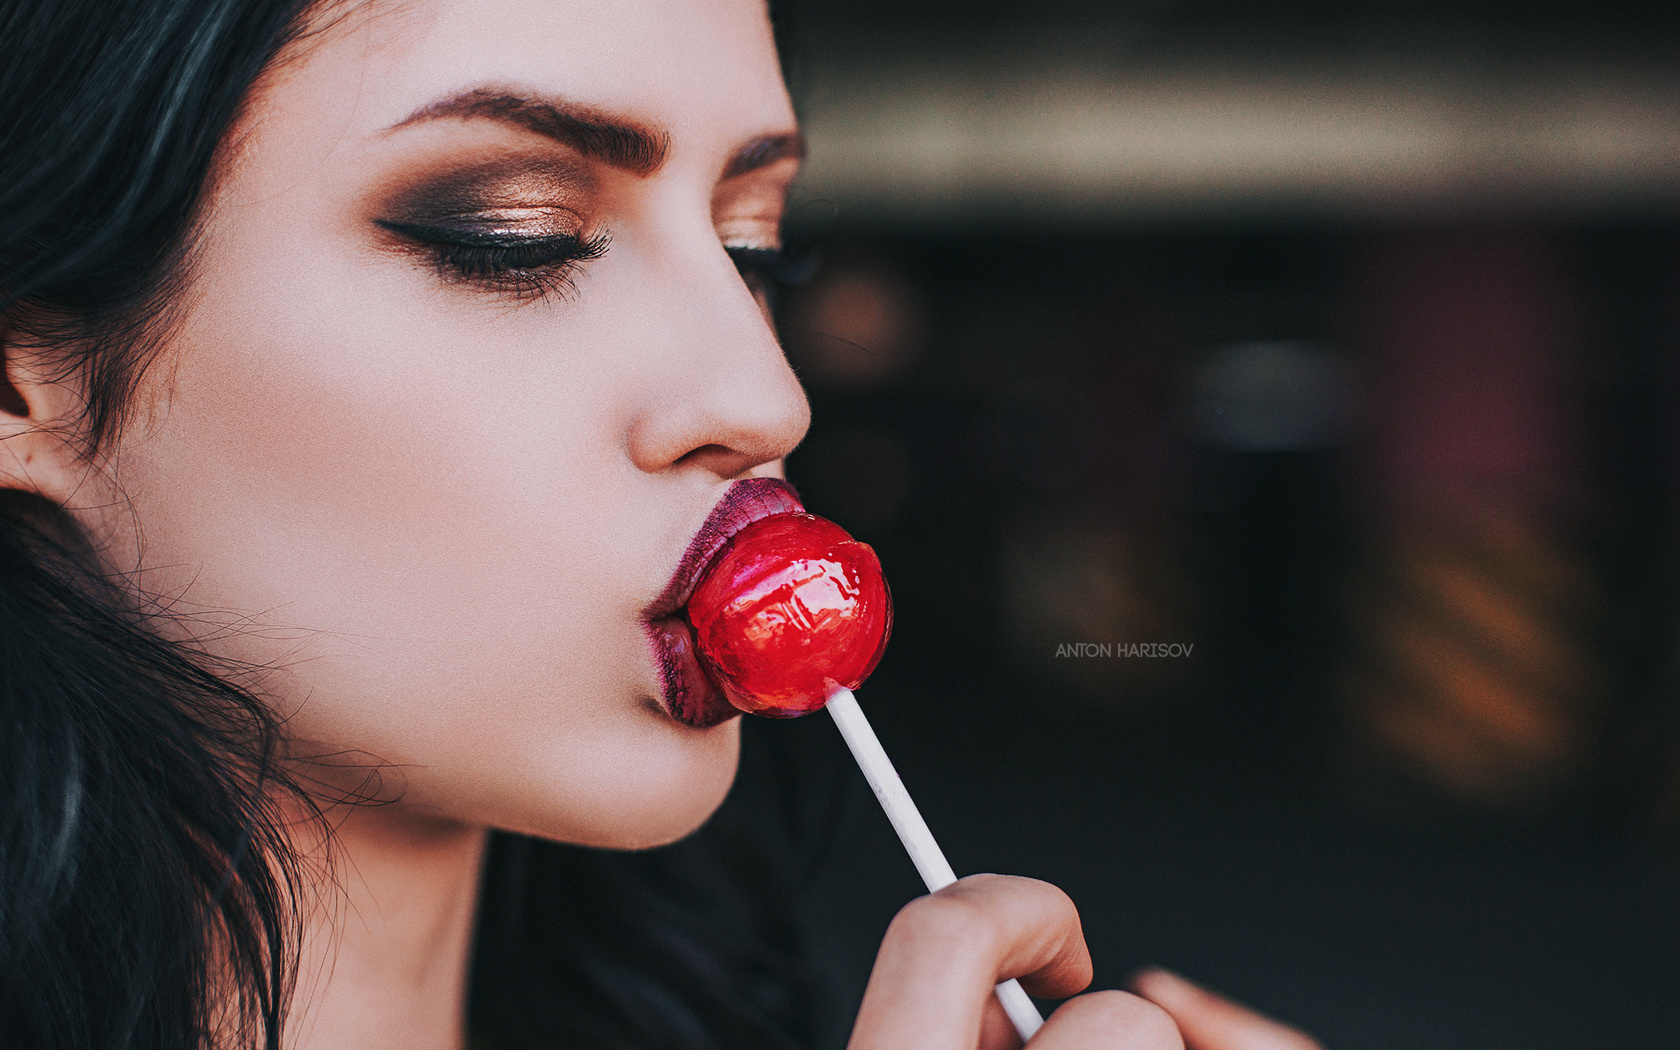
1268,416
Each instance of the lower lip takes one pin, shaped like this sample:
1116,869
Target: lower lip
690,696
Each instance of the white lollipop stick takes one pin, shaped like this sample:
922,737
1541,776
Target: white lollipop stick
913,832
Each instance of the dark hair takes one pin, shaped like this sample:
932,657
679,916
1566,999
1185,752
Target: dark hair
145,873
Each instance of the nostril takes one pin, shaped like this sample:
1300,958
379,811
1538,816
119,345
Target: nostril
705,452
717,457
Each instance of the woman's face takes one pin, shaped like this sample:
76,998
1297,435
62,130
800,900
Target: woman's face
464,367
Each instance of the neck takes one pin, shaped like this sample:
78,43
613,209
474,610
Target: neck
387,934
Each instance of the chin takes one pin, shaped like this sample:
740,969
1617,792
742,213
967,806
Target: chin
661,791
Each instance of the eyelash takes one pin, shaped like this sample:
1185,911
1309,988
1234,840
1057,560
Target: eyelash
529,267
760,268
533,267
768,271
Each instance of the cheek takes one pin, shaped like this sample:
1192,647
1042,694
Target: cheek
331,457
417,516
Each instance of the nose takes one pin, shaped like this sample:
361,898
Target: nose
724,399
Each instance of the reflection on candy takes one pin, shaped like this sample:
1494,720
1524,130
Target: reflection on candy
790,609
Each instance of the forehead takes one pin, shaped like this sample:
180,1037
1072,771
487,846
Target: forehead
696,68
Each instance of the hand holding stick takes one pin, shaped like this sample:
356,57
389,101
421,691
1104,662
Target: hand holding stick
913,831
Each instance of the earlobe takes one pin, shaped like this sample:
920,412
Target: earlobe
38,415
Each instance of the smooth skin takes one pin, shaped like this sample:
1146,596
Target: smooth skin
431,501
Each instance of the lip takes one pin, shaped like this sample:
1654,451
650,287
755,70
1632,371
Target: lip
690,696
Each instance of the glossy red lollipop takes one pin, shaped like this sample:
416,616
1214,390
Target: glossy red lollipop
791,608
793,614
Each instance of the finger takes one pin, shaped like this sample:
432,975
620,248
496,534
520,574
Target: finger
1212,1022
943,953
997,1031
1108,1021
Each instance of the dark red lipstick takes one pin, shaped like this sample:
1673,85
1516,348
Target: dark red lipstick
690,696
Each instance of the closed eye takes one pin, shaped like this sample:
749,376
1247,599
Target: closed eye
527,266
768,270
759,267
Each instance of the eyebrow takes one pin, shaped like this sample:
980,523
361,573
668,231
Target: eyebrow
624,144
765,151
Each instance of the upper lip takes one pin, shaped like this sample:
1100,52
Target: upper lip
746,501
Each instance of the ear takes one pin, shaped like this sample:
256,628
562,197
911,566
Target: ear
39,415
